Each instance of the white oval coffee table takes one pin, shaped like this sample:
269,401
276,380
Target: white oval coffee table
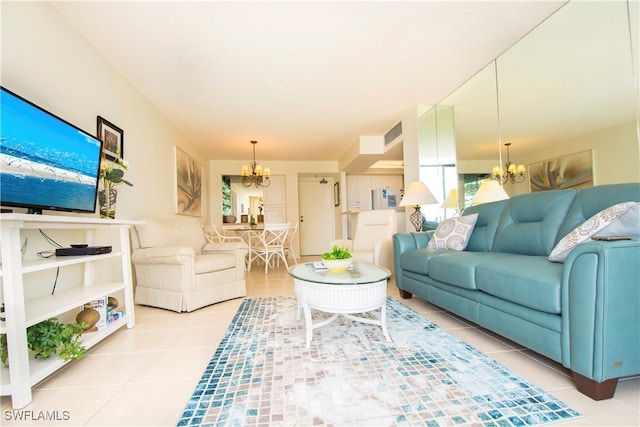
360,289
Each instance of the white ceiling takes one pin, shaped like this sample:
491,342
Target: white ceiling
304,79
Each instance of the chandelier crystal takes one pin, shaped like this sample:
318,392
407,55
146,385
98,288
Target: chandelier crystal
514,173
255,174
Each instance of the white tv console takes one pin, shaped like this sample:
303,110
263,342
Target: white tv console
25,371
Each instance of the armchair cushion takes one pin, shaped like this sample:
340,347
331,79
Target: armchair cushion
206,263
173,231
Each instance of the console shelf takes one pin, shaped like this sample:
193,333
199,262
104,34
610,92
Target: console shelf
41,369
20,313
53,262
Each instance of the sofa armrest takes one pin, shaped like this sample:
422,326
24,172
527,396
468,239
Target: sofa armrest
163,255
404,242
601,310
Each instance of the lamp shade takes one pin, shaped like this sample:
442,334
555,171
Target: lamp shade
451,202
417,194
489,191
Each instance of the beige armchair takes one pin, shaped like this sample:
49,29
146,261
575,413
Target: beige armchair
372,240
176,269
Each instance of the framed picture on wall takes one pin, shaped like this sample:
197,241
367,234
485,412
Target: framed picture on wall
570,171
112,138
188,185
336,194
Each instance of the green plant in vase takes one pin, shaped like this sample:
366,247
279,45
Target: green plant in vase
111,174
336,253
337,260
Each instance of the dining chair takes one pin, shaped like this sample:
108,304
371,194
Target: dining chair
212,235
270,245
288,244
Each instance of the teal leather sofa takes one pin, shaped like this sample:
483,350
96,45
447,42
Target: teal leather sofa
583,313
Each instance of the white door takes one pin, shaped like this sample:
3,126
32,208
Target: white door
317,213
275,204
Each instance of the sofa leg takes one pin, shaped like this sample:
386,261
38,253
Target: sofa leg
594,389
404,294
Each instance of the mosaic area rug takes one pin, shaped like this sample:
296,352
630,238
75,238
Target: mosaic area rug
262,375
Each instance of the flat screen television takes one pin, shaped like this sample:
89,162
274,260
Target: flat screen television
46,163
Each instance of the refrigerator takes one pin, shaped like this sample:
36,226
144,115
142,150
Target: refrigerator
386,198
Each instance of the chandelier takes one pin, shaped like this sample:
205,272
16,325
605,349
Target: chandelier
515,173
255,174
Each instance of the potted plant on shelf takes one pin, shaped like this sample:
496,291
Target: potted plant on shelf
50,337
337,260
111,174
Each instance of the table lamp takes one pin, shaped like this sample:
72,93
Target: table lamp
489,191
451,202
417,194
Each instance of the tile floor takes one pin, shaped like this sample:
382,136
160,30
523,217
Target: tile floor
145,375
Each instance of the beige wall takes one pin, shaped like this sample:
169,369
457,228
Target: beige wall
48,62
51,64
616,157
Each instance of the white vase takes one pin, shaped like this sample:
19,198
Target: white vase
337,265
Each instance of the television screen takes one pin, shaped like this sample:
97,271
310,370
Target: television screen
45,162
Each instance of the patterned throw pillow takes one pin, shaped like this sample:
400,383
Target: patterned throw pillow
616,220
453,233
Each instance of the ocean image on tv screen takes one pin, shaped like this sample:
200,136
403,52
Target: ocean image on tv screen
45,161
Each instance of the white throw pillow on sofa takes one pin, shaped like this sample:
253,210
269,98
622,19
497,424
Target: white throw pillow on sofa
453,233
616,220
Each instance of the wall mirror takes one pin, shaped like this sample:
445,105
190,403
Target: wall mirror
240,203
437,151
565,87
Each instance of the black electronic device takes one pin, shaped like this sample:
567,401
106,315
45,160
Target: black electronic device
88,250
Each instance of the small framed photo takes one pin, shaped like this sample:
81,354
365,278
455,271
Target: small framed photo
112,138
336,194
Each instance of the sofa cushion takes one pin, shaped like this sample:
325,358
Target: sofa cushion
621,219
484,232
151,233
531,281
417,260
529,223
453,233
592,200
459,268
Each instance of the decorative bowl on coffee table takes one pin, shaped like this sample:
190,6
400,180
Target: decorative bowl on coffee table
337,265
